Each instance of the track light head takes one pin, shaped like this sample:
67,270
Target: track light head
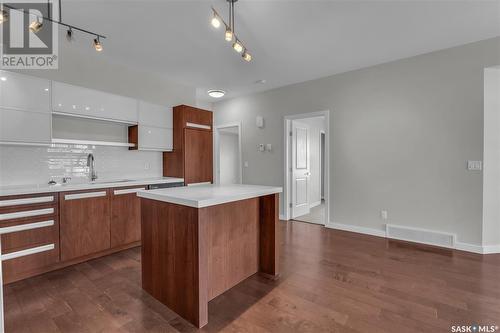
246,56
215,21
69,35
97,45
4,16
237,46
36,26
229,35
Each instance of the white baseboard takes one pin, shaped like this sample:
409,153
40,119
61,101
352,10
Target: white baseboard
467,247
315,204
358,229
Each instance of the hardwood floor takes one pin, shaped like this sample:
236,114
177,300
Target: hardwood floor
332,281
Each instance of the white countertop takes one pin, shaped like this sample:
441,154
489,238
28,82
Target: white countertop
45,188
208,195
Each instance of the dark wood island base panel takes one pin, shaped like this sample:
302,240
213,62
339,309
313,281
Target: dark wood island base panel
192,255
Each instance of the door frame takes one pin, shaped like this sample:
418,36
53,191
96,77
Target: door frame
217,150
287,195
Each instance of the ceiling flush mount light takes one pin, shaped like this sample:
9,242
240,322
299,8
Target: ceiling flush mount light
36,26
229,34
216,93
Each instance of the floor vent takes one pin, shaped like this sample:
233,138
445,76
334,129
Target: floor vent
420,235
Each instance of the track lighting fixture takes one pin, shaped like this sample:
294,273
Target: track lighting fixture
229,34
97,44
247,56
36,25
237,46
215,20
4,16
69,35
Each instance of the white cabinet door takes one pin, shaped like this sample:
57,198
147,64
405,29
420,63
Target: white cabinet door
155,138
91,103
155,115
25,126
23,92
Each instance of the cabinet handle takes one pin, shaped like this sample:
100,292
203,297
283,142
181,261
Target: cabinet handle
198,126
27,252
128,190
27,226
26,213
85,195
25,201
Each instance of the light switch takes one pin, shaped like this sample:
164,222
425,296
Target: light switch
269,147
474,165
261,147
245,164
259,121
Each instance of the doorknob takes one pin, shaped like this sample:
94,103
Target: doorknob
307,174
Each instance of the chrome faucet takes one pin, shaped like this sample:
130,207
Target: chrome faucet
91,166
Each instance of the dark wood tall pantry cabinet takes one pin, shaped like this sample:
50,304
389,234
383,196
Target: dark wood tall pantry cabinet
192,156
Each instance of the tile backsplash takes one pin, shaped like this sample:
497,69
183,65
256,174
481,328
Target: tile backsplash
20,165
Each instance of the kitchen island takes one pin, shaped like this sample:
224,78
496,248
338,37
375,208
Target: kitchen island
199,241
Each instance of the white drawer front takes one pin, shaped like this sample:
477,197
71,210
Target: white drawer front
85,195
26,213
25,126
26,201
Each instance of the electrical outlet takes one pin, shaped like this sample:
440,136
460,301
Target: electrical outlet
245,164
147,166
383,214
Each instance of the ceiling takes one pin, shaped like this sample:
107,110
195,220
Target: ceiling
291,41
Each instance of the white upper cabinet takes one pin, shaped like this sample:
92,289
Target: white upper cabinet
91,103
22,92
155,115
155,138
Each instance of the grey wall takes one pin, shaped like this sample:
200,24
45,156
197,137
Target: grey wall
401,133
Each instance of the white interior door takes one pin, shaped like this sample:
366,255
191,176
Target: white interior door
300,168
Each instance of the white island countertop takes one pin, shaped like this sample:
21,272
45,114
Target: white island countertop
208,195
45,188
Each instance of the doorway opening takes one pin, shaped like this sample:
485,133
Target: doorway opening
228,154
306,189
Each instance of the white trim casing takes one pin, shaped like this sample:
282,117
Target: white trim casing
287,161
85,195
26,201
26,213
216,157
128,191
27,226
194,125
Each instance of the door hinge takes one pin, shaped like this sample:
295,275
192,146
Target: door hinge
291,205
291,133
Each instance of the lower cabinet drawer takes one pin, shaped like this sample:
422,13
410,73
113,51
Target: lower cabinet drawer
22,267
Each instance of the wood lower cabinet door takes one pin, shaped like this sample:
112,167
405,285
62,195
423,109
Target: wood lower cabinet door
198,157
84,223
125,216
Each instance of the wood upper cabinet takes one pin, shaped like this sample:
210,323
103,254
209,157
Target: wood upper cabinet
84,222
192,156
125,216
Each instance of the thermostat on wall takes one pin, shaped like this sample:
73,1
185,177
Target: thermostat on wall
259,122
